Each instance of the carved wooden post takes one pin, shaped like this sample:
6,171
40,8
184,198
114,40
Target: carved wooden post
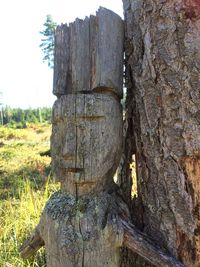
86,222
81,221
80,224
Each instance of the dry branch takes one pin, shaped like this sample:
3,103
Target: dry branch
31,245
139,243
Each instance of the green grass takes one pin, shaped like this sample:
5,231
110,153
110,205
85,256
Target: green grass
25,185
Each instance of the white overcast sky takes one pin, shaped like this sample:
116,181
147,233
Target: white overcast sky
25,81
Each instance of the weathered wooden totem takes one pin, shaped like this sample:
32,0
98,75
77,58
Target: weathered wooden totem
86,222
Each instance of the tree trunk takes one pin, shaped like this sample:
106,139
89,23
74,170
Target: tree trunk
162,67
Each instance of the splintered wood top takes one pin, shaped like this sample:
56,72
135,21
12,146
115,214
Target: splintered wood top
89,54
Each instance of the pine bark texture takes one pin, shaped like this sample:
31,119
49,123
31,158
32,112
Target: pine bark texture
162,67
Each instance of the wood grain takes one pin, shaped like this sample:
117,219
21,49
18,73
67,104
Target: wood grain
89,54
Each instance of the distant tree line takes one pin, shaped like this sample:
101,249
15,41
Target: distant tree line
19,117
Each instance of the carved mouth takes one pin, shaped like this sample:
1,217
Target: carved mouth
68,157
74,170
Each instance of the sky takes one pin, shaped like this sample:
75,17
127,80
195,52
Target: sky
25,81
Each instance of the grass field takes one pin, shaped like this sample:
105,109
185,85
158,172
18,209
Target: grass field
25,185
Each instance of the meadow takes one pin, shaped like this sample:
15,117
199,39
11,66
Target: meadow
25,185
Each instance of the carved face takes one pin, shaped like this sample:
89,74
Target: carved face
86,137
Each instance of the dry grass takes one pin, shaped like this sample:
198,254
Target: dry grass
25,185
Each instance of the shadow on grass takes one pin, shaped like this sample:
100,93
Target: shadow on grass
12,183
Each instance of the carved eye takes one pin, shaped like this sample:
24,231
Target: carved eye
91,118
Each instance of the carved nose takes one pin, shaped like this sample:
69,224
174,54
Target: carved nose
74,170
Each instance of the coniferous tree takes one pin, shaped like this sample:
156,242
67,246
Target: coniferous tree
47,42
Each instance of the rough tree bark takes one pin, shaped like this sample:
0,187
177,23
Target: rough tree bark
162,68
